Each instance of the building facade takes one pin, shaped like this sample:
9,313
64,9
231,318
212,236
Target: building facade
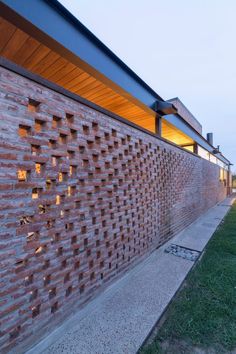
97,170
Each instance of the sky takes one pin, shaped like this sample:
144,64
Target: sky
184,48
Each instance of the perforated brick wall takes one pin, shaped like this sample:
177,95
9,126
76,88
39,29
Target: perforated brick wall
82,198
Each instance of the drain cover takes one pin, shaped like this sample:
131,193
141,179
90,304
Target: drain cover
183,252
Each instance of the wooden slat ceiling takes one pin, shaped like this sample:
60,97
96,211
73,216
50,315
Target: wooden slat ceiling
24,50
27,52
175,135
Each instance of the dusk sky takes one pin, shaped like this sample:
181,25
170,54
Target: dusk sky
180,48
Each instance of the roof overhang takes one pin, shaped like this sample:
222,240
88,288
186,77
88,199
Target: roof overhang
70,38
177,121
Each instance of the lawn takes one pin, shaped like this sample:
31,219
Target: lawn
202,317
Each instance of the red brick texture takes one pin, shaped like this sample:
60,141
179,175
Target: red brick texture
82,198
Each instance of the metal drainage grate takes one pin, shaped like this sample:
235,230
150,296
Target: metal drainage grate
183,252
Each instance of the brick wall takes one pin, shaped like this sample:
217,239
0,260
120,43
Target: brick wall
82,198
